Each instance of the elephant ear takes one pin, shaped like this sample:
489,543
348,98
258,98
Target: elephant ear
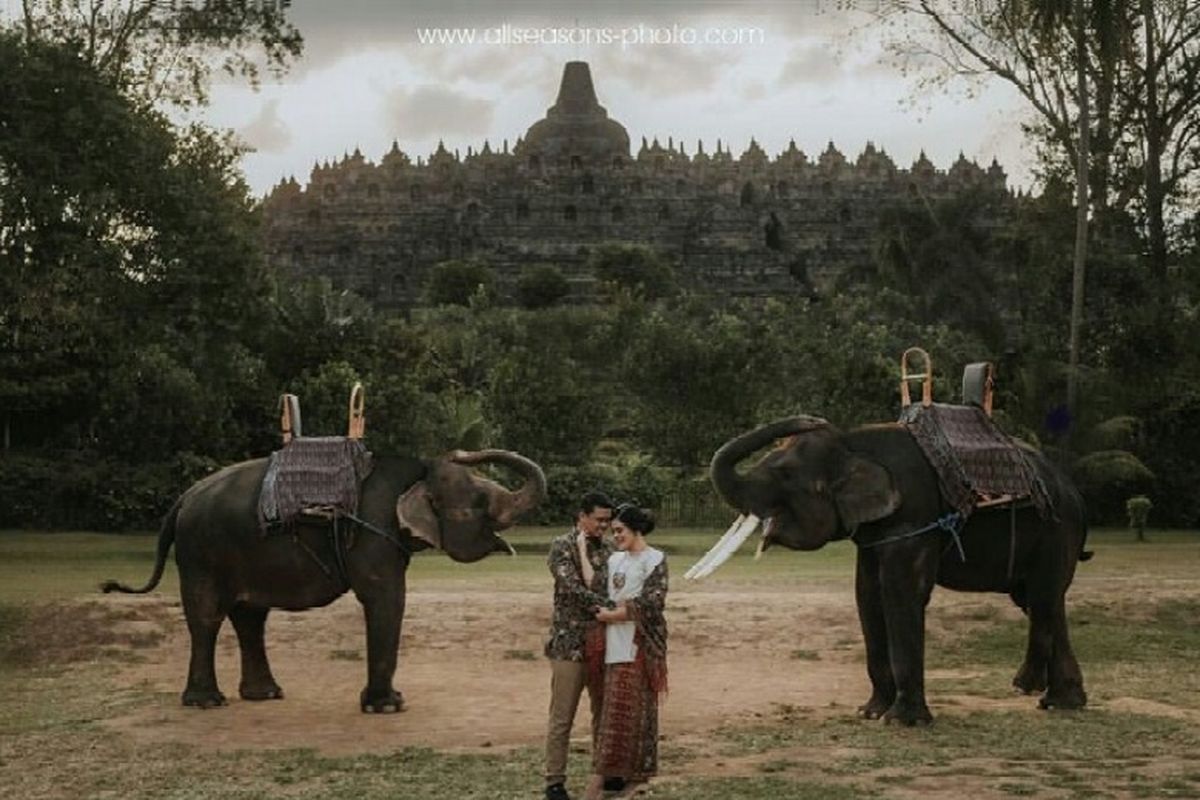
864,492
415,512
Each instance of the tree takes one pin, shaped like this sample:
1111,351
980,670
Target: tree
118,232
542,286
324,395
454,283
1007,40
1115,87
540,405
315,323
692,383
941,259
632,268
155,52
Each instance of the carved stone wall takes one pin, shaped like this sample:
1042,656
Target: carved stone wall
742,226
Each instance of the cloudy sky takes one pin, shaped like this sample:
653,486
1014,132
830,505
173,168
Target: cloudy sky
810,70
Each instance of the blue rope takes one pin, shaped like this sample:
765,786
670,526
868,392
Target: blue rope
950,523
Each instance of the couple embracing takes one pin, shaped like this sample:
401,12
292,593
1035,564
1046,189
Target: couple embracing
609,636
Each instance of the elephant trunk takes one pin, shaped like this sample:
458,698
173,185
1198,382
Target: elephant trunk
723,469
507,505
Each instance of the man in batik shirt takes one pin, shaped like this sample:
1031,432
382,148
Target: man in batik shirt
579,563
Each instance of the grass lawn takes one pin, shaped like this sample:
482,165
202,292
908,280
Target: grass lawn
1135,612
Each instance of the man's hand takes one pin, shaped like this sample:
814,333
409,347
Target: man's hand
585,563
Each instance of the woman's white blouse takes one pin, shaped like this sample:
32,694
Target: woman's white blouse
627,573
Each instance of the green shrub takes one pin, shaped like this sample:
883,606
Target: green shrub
1138,510
1117,433
1108,476
632,268
542,286
454,283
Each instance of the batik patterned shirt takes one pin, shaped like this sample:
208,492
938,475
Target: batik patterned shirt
575,603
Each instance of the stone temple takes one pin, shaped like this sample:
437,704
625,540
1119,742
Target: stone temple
747,225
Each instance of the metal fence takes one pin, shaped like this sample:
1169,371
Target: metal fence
694,505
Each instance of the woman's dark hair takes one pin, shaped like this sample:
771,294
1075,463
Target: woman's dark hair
634,518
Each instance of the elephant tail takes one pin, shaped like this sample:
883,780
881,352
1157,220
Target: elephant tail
166,538
1084,553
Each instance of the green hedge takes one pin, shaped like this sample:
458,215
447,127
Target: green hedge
85,491
566,485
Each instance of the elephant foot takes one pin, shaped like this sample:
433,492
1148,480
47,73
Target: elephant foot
875,708
1070,699
908,713
1028,681
269,691
390,702
203,698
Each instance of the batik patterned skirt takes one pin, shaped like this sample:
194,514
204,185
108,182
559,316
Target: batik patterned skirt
626,743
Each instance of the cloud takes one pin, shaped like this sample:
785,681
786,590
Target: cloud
812,62
820,74
333,31
754,91
266,133
667,70
435,111
491,64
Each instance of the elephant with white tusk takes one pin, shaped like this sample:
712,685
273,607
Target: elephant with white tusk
874,485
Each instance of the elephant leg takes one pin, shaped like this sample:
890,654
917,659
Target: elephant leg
384,611
202,607
1065,688
908,575
874,629
257,681
1032,676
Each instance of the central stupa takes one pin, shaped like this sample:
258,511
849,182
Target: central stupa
576,130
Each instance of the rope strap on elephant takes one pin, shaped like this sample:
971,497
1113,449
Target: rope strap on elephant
972,457
341,539
951,523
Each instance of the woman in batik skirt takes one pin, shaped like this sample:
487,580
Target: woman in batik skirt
625,751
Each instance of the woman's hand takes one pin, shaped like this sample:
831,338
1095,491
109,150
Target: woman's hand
617,614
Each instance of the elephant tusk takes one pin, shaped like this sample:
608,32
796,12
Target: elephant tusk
728,547
768,529
704,559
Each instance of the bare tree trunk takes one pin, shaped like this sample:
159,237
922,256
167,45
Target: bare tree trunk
1079,270
1108,21
1155,195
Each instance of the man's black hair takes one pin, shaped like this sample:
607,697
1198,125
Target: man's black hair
593,500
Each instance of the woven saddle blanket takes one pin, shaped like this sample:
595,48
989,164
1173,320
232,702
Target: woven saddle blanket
972,457
324,471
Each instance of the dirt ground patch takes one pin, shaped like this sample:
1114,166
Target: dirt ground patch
66,633
473,674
